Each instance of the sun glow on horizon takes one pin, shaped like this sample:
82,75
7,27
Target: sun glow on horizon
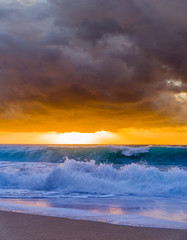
125,136
80,138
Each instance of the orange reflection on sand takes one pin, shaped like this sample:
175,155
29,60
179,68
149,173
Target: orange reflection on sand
116,211
161,214
37,203
110,210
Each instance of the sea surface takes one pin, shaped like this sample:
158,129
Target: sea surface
126,185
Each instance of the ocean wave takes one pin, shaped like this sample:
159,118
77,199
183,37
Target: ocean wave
90,178
131,151
155,155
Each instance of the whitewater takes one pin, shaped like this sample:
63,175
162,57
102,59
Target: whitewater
130,185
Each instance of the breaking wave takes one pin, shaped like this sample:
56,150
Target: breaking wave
176,156
132,151
90,178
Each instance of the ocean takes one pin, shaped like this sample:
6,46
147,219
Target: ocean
127,185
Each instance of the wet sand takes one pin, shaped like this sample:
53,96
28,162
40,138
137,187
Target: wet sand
18,226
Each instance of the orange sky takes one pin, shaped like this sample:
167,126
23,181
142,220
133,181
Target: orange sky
124,136
91,72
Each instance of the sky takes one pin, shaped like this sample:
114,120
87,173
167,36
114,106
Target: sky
93,71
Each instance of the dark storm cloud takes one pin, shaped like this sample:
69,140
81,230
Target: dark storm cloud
111,58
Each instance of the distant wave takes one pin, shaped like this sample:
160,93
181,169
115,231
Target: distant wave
131,151
121,155
89,178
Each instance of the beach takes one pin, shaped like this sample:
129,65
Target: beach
19,226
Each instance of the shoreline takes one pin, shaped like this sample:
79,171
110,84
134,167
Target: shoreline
22,226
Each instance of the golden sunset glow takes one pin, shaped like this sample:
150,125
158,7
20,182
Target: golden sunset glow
124,136
79,138
181,97
91,73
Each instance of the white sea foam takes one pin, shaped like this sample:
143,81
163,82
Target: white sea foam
131,151
89,178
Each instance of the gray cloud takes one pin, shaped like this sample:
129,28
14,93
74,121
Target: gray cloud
111,58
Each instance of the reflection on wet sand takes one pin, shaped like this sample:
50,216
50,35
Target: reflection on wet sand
127,212
33,203
180,216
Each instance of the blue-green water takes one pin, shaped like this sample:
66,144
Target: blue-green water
134,185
